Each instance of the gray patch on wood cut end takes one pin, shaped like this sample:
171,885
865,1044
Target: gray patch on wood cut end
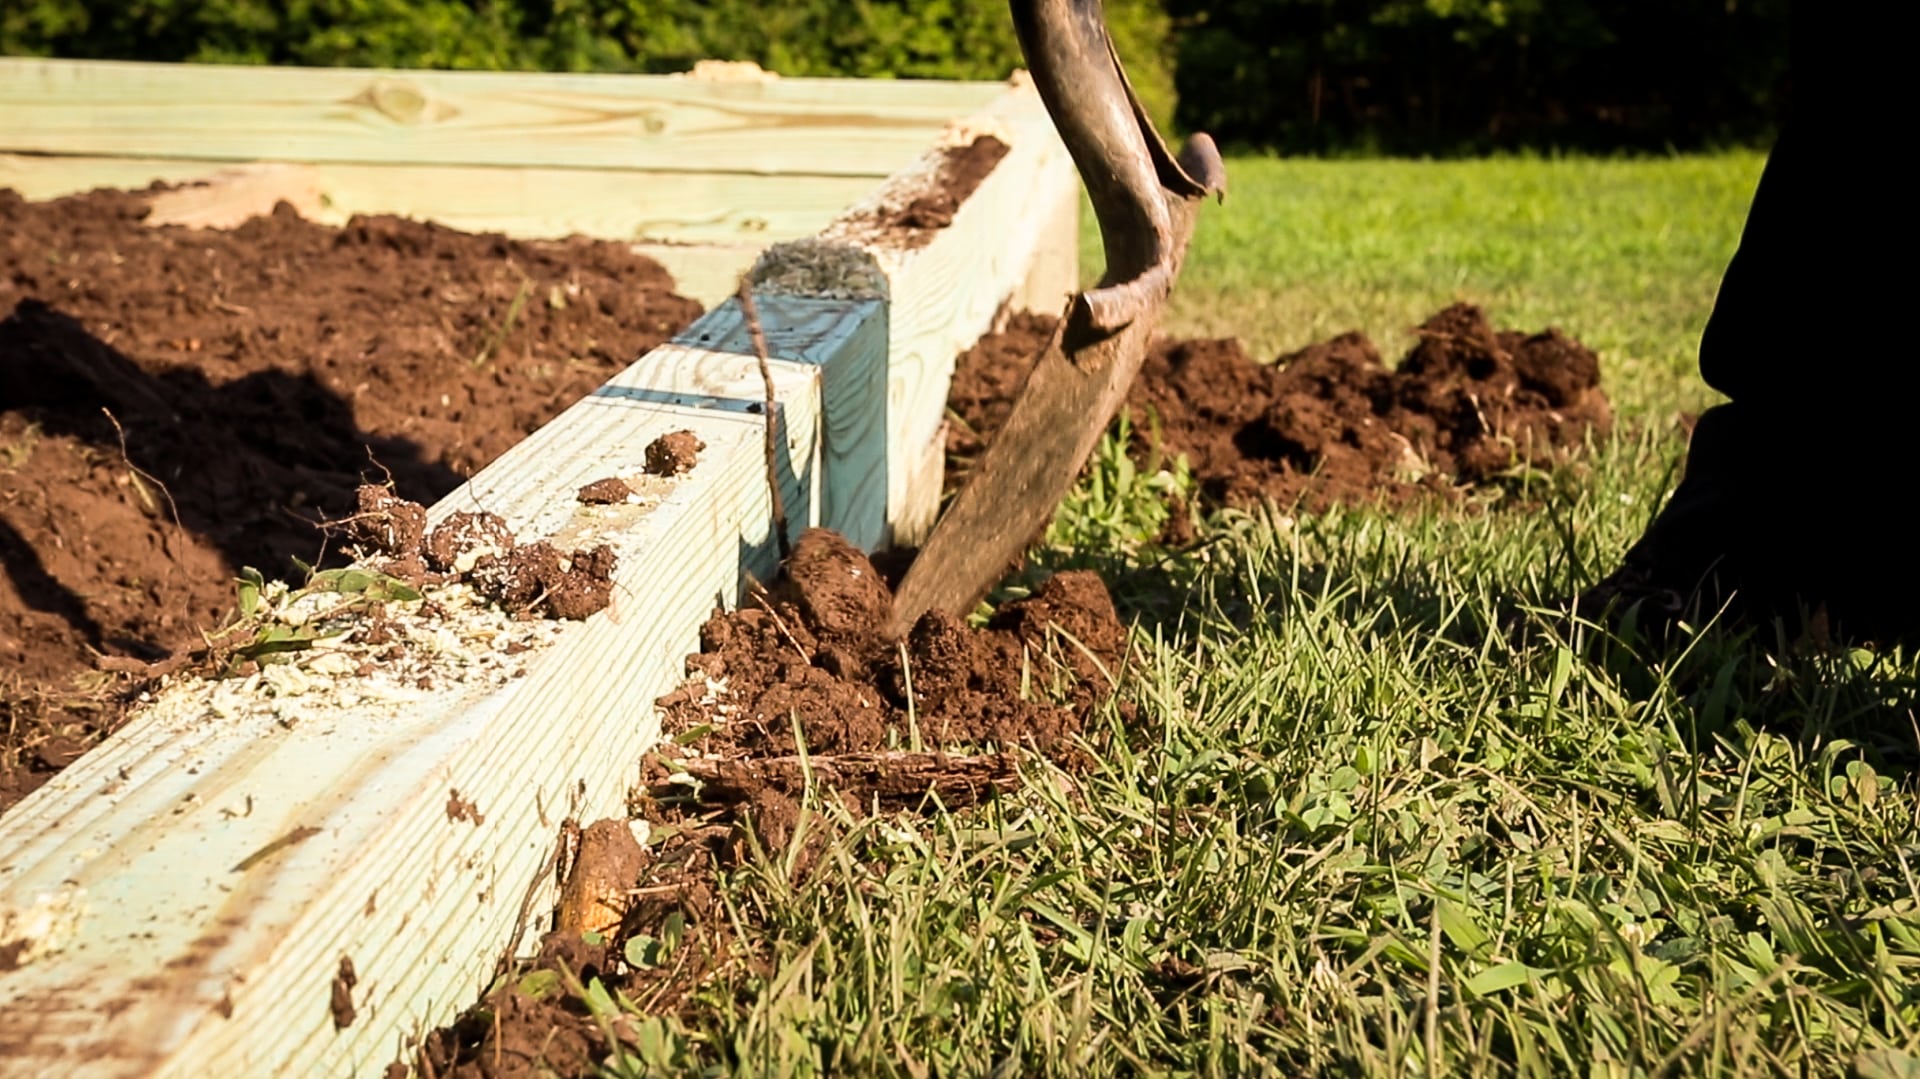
818,268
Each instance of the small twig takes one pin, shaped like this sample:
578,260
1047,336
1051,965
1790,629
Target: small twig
781,624
514,307
773,442
141,477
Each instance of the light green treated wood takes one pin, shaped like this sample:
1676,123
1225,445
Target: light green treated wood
844,127
525,203
1022,217
708,273
848,338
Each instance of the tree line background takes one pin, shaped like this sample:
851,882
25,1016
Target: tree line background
1440,77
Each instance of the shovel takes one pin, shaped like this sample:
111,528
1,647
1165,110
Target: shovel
1146,200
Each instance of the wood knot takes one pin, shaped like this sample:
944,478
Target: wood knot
398,100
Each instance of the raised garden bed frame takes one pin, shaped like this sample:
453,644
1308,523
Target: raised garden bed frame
180,900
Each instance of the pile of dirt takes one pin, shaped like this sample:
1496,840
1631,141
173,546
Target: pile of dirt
176,404
1331,423
808,660
885,723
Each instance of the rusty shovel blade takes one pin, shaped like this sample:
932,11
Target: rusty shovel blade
1146,201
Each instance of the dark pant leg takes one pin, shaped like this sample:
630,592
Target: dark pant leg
1796,491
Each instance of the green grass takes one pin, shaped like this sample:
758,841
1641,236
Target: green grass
1377,809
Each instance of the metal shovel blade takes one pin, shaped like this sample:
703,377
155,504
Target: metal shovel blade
1145,201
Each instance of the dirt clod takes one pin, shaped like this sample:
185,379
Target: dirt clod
610,491
585,586
340,997
465,539
836,589
538,576
1332,423
674,453
384,523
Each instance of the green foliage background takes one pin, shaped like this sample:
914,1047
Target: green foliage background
943,39
1420,76
1429,76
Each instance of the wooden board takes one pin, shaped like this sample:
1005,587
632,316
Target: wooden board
1017,235
525,203
708,273
545,120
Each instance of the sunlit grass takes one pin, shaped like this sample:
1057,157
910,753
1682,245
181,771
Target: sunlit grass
1376,805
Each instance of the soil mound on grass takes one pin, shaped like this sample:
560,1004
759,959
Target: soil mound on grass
178,403
1332,423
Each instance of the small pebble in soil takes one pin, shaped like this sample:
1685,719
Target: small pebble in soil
674,453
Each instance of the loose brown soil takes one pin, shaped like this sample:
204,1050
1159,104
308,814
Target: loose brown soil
176,404
1331,423
881,728
812,650
961,171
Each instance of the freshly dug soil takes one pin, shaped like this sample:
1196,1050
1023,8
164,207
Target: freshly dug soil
176,404
811,650
807,650
1331,423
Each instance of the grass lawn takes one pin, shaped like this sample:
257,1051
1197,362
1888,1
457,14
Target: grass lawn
1624,254
1375,813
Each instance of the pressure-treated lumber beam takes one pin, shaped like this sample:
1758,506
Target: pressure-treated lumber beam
843,127
525,203
1016,236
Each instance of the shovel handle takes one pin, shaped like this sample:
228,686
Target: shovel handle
1128,172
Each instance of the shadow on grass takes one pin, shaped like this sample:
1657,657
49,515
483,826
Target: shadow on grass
1718,678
